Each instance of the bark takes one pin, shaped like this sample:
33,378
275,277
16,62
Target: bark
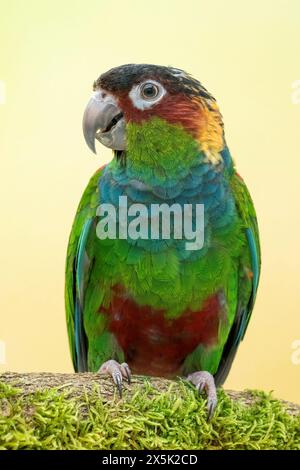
77,384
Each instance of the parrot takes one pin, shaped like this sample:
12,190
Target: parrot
144,305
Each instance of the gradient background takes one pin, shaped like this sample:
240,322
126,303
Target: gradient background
246,53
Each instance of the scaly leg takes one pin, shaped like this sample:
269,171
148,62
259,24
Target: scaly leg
204,381
117,371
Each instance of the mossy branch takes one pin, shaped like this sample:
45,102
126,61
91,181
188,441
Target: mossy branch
70,411
77,384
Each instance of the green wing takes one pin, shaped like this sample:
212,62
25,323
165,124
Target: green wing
75,267
248,279
247,212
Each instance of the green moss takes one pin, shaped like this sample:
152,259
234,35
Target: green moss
150,419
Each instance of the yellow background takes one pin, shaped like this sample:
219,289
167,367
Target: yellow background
246,53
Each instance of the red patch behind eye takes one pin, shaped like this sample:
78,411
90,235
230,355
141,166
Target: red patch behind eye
154,345
175,109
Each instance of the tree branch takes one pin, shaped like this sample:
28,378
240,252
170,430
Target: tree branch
78,384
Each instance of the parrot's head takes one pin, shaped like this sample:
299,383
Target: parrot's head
146,103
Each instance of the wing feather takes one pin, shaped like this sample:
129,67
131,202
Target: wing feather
77,265
246,295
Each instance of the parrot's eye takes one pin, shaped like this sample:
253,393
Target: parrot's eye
149,91
146,94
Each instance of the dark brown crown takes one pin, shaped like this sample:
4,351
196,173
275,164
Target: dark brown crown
122,78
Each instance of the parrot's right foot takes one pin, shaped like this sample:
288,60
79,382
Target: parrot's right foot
117,371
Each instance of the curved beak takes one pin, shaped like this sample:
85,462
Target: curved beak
103,120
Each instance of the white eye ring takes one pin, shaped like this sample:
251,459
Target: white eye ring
140,100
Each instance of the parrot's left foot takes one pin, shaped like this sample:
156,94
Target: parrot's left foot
204,381
117,371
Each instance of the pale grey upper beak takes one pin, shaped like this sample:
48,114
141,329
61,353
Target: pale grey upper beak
103,120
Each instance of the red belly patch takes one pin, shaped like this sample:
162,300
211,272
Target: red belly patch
155,345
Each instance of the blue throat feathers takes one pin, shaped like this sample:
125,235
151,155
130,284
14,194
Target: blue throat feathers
201,183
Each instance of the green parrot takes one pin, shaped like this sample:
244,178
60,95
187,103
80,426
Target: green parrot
160,305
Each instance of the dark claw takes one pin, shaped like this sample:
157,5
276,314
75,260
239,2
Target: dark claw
118,382
211,410
128,375
201,387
